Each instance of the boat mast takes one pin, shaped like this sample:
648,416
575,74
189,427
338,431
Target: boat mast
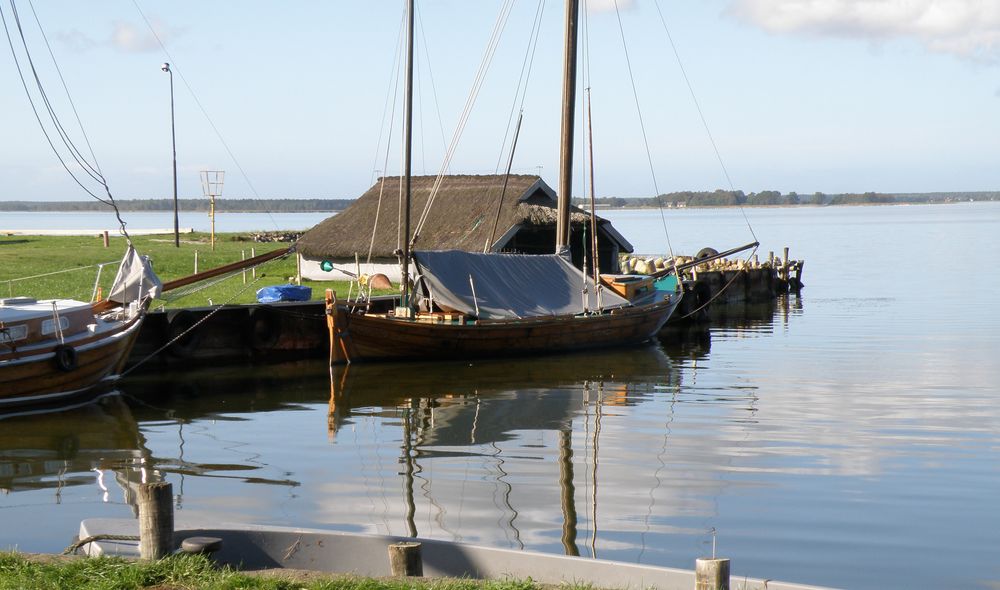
407,144
566,136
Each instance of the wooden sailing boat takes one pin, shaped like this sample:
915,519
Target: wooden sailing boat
468,305
54,349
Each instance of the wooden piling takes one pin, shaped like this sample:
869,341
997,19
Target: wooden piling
156,520
107,239
784,265
711,574
405,559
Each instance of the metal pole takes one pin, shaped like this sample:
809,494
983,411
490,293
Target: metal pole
173,140
407,144
566,136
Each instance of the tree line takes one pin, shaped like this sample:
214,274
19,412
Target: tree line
725,198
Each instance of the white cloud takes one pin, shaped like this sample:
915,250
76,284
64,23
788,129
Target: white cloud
133,39
969,29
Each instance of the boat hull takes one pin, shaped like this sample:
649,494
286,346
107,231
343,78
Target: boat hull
35,375
369,337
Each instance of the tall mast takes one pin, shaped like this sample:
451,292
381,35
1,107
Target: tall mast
407,143
566,137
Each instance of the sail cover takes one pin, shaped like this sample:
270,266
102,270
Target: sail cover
509,285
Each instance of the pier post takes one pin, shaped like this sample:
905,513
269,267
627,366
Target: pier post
711,574
156,520
784,265
405,559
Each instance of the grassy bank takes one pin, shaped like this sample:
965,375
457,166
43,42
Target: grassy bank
22,572
33,258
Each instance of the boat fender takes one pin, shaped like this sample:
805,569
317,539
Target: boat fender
183,340
65,357
265,327
706,252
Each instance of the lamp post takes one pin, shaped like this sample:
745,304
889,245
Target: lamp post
173,140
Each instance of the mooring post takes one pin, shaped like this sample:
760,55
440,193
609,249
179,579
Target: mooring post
253,270
156,520
243,256
784,265
711,573
195,262
405,560
107,239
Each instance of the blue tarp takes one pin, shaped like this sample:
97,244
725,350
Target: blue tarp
277,293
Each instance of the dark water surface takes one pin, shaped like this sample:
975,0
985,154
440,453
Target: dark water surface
849,437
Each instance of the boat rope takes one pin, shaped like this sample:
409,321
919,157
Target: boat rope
204,112
430,73
216,309
701,114
91,170
477,85
99,265
718,294
522,83
75,545
393,91
642,126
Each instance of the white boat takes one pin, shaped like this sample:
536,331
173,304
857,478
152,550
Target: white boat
55,349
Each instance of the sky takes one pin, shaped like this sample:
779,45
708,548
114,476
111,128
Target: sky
290,98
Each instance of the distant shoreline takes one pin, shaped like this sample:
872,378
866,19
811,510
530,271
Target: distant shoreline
291,205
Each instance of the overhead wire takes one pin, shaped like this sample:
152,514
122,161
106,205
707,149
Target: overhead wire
523,78
498,29
92,170
201,107
701,114
642,126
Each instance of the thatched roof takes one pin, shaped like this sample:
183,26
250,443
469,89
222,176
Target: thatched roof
461,217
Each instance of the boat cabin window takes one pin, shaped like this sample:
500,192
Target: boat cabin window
13,333
48,326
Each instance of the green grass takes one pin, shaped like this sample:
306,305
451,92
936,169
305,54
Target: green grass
30,256
183,572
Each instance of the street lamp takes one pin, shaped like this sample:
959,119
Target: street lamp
173,139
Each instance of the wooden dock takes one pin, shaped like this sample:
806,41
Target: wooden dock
289,330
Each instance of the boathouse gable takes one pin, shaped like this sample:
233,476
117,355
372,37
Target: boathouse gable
462,218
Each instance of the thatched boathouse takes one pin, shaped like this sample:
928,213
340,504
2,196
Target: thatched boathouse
461,218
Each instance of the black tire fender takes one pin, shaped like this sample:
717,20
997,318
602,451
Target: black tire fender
265,327
184,340
65,358
706,252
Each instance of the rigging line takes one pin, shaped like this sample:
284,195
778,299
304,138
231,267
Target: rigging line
642,126
96,165
41,92
204,112
394,84
56,123
430,72
529,53
390,92
484,66
34,109
701,114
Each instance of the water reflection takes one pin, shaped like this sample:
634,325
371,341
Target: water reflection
52,451
579,454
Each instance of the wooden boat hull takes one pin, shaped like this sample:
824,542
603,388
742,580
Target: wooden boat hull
33,375
364,337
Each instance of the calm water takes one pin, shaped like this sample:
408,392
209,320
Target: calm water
199,221
850,437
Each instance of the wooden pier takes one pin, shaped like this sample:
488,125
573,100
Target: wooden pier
289,330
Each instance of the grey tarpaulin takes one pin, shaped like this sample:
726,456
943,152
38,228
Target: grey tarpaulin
509,285
135,279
